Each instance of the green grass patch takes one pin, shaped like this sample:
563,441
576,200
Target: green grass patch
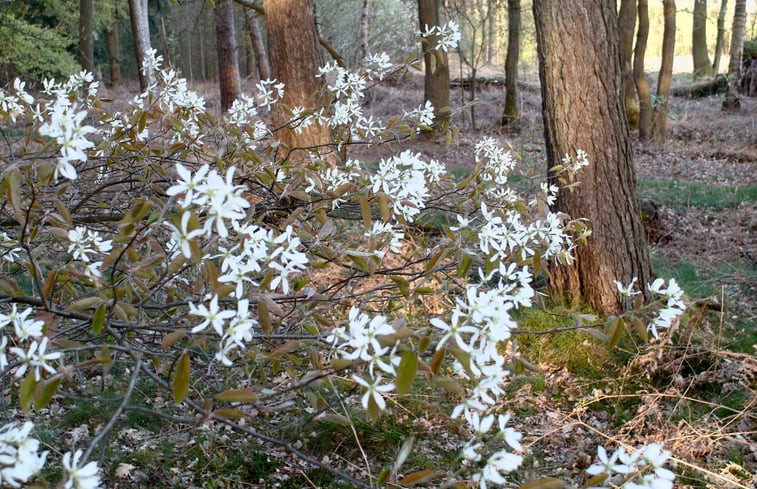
696,195
575,350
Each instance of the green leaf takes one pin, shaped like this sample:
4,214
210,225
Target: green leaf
464,266
373,410
98,319
596,480
180,386
237,395
172,338
419,477
383,477
228,413
406,372
402,285
26,392
264,317
365,210
46,391
614,331
548,483
407,447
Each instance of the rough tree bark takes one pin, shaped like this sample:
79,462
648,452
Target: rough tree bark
258,46
141,30
702,66
436,81
226,47
720,40
511,112
295,59
86,48
732,101
626,29
662,99
580,72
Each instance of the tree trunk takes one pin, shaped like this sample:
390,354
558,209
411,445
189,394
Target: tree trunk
86,49
580,72
226,45
436,81
662,101
511,112
141,30
626,28
295,59
639,77
721,37
364,11
114,51
702,66
258,46
732,102
491,47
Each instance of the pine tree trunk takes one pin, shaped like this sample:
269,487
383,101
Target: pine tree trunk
226,46
666,72
639,76
436,81
626,28
295,59
511,112
702,66
732,102
86,48
720,41
580,72
141,31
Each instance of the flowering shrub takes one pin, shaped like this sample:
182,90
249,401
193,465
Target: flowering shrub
175,246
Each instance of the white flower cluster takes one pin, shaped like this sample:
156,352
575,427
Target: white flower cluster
424,114
406,179
500,461
9,247
502,236
210,193
65,124
447,35
235,328
384,235
26,328
499,163
19,460
82,85
571,165
330,179
360,342
269,92
85,242
674,306
642,469
11,104
84,477
347,89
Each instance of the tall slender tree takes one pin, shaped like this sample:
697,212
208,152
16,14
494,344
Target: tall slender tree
720,40
86,46
639,76
665,78
252,25
226,46
702,66
436,80
511,112
140,28
580,72
732,101
626,29
114,51
295,59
